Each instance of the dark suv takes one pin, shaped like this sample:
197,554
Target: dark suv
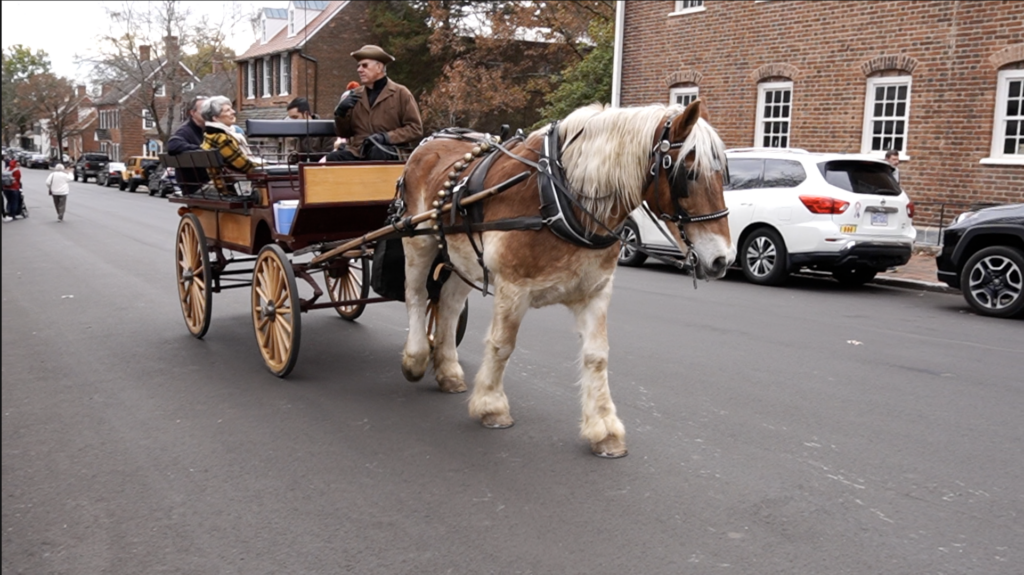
983,256
91,166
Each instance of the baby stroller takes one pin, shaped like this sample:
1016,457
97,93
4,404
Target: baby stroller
12,193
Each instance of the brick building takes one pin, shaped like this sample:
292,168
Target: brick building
125,124
79,135
940,81
303,50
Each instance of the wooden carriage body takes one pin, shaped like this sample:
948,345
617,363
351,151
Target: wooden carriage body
335,202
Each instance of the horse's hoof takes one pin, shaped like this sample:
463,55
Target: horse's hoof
610,448
495,421
452,385
410,375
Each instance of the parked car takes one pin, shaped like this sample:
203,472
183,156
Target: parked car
791,209
137,171
112,175
90,166
162,182
38,161
983,256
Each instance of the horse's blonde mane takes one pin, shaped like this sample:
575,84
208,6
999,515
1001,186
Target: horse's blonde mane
607,163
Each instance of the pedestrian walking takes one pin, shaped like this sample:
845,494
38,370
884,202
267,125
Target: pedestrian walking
58,185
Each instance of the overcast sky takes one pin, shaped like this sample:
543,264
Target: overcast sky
68,29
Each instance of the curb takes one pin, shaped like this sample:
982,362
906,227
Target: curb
914,284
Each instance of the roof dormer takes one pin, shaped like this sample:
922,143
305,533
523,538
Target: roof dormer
272,21
301,13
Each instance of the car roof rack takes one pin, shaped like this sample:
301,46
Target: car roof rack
796,150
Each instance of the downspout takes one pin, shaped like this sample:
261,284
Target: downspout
620,26
316,78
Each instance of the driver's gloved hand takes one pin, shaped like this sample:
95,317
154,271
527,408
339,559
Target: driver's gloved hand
346,104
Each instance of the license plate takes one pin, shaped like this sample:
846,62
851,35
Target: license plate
879,219
848,229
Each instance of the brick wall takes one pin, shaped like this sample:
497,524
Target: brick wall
953,51
332,46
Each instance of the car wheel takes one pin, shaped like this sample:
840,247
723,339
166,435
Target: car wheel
75,176
132,187
992,281
122,185
763,257
628,254
854,275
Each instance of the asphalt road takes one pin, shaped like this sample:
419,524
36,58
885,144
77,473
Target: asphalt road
807,429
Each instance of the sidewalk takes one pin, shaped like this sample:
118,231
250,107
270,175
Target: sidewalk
918,273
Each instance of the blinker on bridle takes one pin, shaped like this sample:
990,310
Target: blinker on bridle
679,187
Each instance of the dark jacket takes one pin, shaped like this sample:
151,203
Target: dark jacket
187,138
394,112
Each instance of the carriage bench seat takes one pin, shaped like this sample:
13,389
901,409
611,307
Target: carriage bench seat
208,160
289,128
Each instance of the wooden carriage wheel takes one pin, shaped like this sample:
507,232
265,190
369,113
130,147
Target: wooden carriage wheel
276,310
460,329
194,275
349,281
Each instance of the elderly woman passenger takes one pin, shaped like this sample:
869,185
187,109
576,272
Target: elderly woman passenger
220,134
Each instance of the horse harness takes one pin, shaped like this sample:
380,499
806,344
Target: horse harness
556,201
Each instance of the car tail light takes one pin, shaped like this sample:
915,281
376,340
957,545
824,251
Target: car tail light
910,210
824,205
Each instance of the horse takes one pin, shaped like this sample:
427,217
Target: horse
613,159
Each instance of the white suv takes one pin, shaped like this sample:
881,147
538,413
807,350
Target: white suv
790,209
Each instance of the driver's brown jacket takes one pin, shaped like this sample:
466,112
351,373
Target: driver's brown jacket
395,113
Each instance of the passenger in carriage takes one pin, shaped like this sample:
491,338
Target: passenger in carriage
307,148
377,116
189,138
219,134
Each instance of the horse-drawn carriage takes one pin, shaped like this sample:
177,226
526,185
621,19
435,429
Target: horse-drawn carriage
272,217
532,220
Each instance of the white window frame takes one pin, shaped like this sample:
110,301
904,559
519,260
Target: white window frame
291,22
263,30
286,78
687,7
682,92
250,88
996,155
268,77
147,118
869,106
159,90
762,89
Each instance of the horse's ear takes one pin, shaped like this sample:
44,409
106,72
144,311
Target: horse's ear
685,122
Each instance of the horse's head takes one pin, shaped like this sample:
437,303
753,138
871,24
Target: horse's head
688,168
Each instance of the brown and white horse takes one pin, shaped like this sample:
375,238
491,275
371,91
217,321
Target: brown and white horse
613,158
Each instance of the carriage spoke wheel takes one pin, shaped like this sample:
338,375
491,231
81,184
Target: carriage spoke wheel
460,328
276,310
194,275
350,281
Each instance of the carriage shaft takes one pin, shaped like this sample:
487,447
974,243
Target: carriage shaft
407,224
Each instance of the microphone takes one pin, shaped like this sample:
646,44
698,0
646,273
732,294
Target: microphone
348,89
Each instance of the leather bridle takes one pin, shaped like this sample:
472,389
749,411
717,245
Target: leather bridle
678,186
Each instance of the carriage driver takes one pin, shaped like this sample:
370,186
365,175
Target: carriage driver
376,116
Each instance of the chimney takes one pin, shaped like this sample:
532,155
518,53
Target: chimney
170,44
144,53
106,88
217,65
80,89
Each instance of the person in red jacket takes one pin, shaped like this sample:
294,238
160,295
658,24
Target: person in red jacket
12,193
